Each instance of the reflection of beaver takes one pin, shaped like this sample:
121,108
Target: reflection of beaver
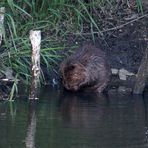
86,69
81,108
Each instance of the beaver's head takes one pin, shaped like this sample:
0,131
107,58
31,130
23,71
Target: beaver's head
73,75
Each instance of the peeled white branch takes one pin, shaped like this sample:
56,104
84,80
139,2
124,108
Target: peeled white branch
35,38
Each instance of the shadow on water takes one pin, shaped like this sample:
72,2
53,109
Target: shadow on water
68,120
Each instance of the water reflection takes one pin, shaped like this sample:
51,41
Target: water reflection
105,121
81,109
145,101
31,128
67,120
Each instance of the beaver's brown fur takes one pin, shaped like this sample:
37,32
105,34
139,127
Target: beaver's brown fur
85,69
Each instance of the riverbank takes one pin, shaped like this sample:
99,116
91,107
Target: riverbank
118,28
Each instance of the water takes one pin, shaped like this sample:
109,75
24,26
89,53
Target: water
75,121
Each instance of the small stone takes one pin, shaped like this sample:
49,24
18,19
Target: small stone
114,71
123,73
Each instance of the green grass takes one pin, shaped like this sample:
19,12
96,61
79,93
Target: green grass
57,18
139,6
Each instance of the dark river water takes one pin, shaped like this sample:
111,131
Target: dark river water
64,120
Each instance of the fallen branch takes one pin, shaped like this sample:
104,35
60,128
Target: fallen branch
142,74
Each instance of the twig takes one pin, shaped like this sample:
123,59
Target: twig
115,28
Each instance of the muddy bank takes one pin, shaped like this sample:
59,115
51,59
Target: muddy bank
126,46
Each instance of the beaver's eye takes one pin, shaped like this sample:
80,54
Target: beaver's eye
71,67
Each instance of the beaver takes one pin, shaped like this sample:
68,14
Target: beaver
86,69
